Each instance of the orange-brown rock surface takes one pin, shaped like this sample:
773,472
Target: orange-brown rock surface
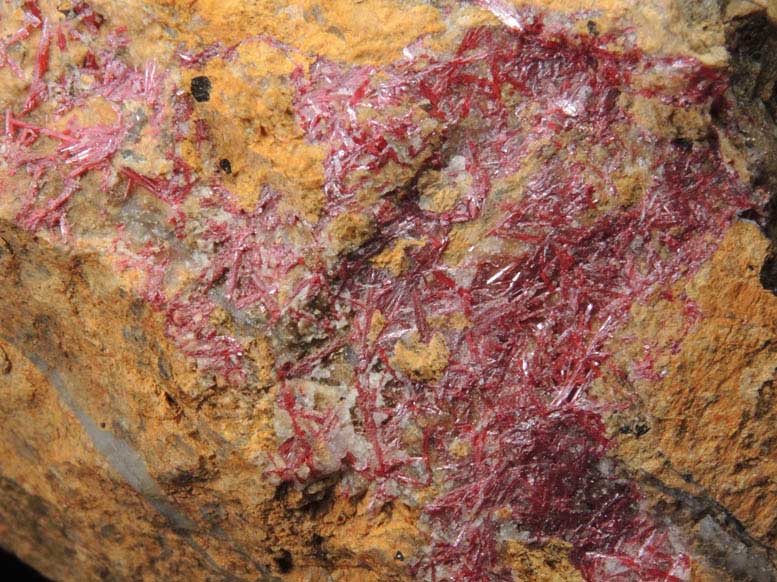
146,396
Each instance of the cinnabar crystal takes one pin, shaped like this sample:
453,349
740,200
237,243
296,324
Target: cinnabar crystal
564,213
544,290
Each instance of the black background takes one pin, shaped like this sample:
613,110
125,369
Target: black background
11,568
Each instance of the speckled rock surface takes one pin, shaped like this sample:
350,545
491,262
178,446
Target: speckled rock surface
207,371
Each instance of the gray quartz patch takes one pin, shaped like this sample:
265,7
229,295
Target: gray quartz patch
130,465
118,452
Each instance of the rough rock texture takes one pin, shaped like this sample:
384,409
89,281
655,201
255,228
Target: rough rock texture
254,311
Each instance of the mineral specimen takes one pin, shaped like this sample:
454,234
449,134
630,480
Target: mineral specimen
388,290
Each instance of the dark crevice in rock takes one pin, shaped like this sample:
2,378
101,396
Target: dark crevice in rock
751,121
768,273
284,561
720,537
318,549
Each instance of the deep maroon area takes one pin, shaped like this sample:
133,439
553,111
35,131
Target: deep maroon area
515,388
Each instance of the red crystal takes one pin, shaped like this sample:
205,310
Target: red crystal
515,387
549,286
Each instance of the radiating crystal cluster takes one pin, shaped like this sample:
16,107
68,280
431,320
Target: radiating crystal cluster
491,216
